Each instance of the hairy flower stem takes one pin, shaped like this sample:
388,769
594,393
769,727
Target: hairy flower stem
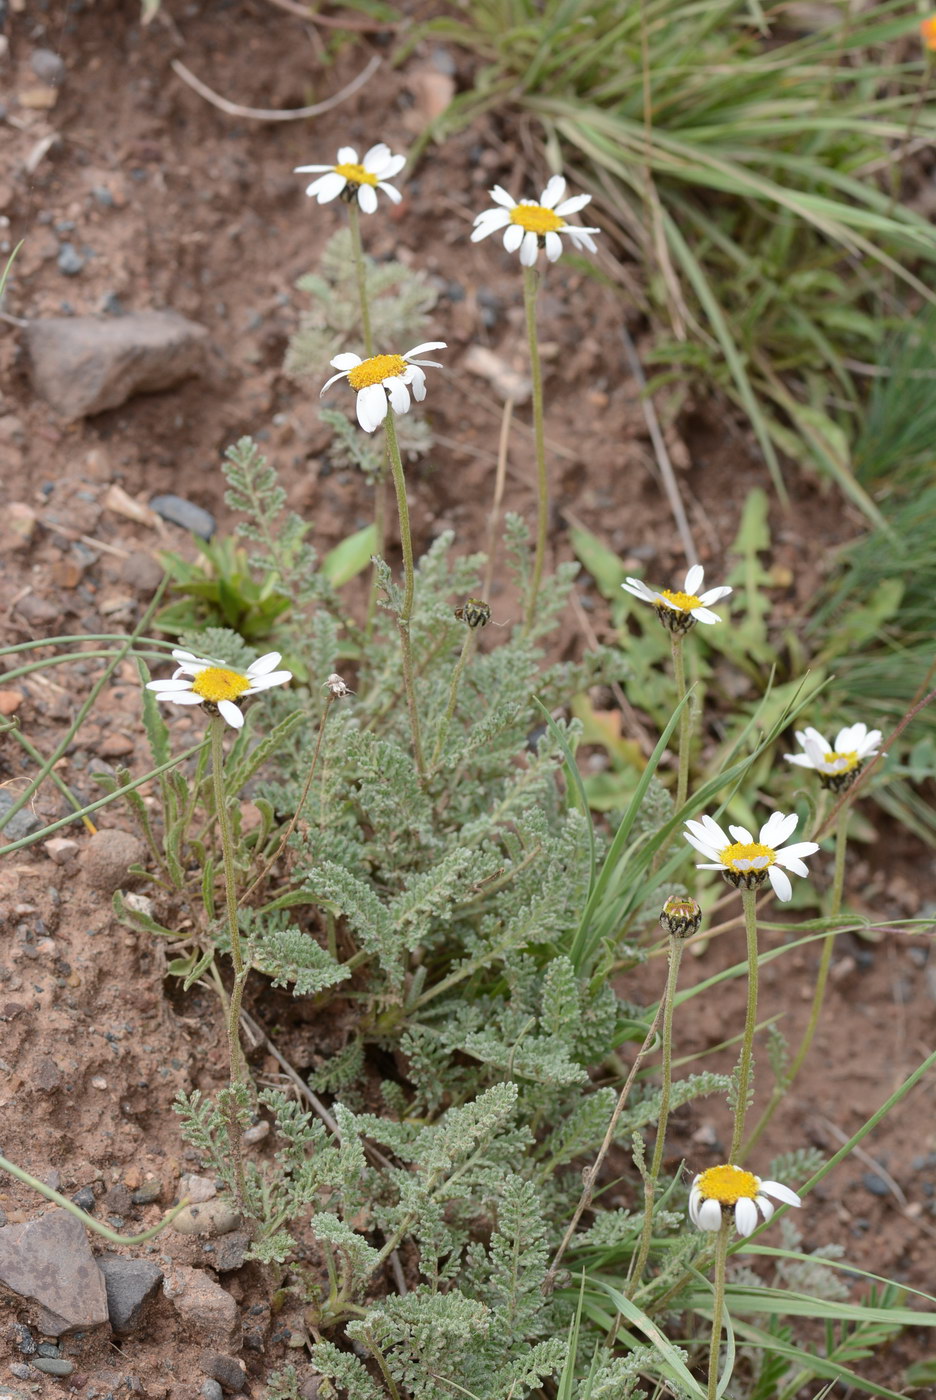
718,1303
685,720
360,272
104,1230
651,1177
467,649
530,288
822,977
749,900
238,1071
409,584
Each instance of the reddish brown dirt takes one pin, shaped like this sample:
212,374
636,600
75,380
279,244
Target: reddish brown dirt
206,218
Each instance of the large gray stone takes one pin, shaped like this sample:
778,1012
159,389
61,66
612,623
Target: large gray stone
86,364
50,1261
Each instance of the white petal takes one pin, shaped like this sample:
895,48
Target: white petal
553,192
714,865
639,589
706,616
183,697
777,828
392,193
764,1206
345,361
313,189
334,380
189,656
513,237
781,1193
500,196
399,394
426,345
715,595
871,743
393,167
802,760
745,1215
714,832
797,867
483,231
806,736
709,1215
310,169
799,849
694,579
573,205
347,155
491,219
703,847
367,198
741,833
582,237
781,883
264,682
264,664
371,407
329,187
528,250
417,383
553,246
169,687
229,711
376,158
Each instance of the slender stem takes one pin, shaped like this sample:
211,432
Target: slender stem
360,272
79,1214
822,977
530,287
685,720
718,1303
12,728
651,1178
467,648
749,900
409,585
590,1176
299,806
237,1067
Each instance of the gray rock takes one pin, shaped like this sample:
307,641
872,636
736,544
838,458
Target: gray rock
142,572
22,1372
48,67
209,1218
875,1184
228,1372
54,1366
84,1198
48,1349
69,260
86,364
211,1390
130,1284
25,1344
185,513
23,824
230,1252
150,1191
108,856
50,1260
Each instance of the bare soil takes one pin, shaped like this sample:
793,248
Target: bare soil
171,203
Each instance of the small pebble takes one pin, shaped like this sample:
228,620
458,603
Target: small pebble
186,514
150,1191
48,1349
99,1082
224,1370
84,1198
24,1339
875,1184
103,196
48,67
211,1390
21,1371
70,262
54,1365
257,1132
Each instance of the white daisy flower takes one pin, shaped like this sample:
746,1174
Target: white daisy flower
681,609
352,177
218,686
530,226
383,378
749,863
838,765
726,1186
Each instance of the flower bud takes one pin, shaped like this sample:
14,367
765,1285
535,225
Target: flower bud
681,916
474,612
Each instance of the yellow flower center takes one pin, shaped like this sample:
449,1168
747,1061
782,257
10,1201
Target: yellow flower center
217,683
841,762
684,601
536,219
728,1185
744,856
356,174
375,370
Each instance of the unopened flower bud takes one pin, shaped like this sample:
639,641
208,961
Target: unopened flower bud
337,686
681,916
